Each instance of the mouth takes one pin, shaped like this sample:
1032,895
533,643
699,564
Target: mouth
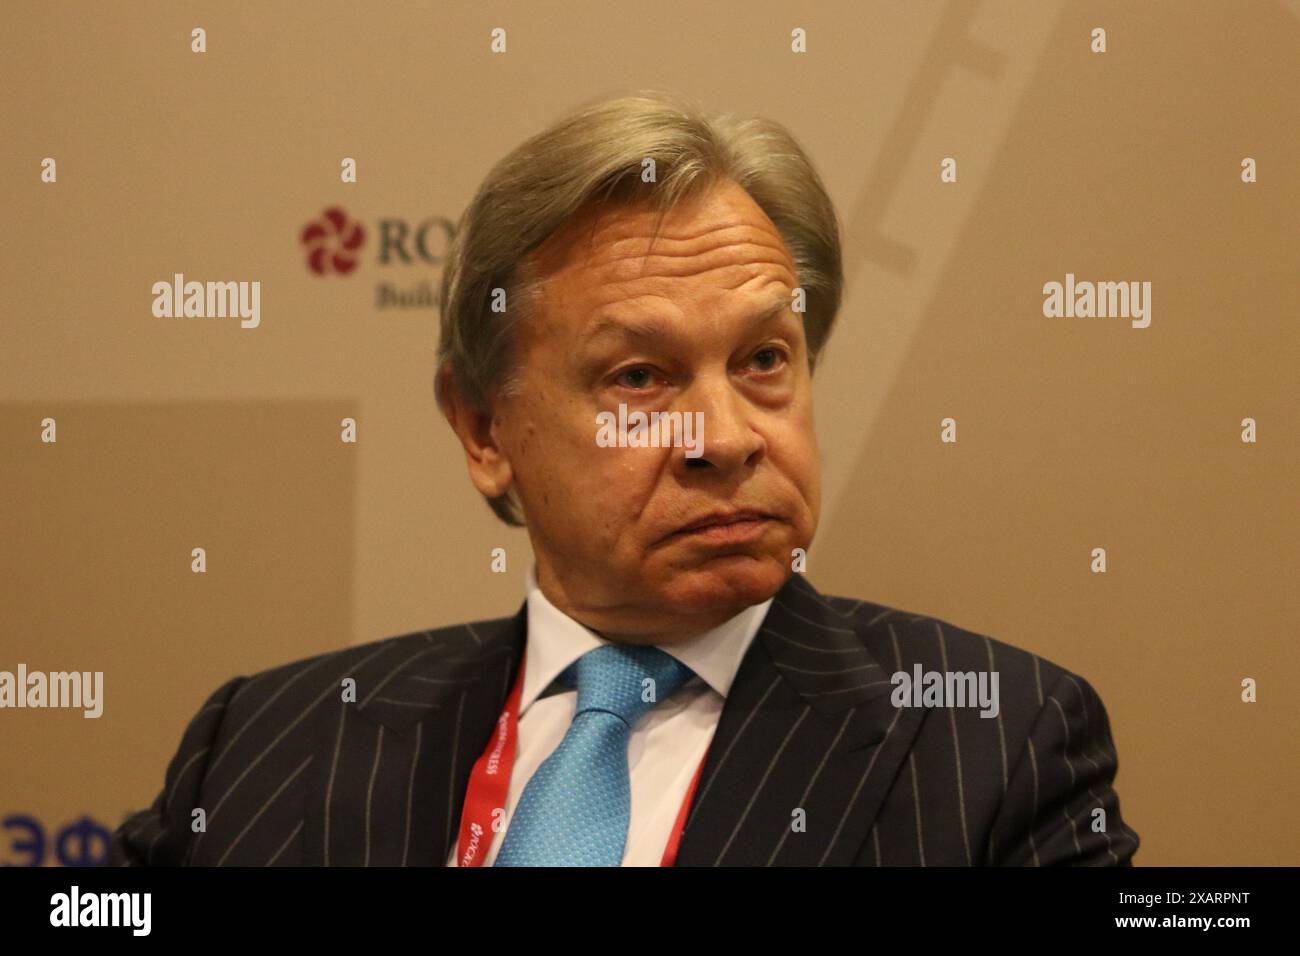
728,526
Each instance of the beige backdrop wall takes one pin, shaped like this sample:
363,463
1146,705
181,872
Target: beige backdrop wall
1073,433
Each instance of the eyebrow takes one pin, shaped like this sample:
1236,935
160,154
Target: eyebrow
652,327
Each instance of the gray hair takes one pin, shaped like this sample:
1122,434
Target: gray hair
596,154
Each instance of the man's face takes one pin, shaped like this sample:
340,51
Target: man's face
702,324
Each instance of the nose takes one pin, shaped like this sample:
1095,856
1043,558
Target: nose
725,435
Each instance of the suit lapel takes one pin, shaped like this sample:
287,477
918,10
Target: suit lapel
807,726
398,759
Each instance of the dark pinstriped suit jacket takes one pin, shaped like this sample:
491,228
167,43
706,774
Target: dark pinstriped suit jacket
288,774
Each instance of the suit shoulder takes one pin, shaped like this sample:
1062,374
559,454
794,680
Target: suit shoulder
904,638
368,662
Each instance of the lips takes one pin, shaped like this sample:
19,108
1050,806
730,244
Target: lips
723,518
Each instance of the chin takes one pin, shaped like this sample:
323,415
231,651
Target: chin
726,583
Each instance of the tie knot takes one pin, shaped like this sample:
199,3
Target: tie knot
624,679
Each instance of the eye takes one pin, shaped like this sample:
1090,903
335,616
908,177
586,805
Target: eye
636,377
773,356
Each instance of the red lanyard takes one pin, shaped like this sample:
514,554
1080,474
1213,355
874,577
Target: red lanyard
489,785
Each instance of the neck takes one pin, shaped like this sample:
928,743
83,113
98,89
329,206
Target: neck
630,623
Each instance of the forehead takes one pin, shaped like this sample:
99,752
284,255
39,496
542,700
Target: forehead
716,245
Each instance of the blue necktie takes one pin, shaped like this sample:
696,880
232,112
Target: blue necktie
575,809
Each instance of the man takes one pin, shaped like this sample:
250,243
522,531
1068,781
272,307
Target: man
673,689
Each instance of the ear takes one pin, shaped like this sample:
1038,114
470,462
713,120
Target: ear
489,468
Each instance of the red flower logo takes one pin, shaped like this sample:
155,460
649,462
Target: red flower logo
332,242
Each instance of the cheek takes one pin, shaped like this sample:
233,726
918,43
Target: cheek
800,438
560,466
622,480
800,464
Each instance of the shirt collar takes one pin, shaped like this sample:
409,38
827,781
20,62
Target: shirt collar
556,640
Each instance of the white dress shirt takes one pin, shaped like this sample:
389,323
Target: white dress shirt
666,744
